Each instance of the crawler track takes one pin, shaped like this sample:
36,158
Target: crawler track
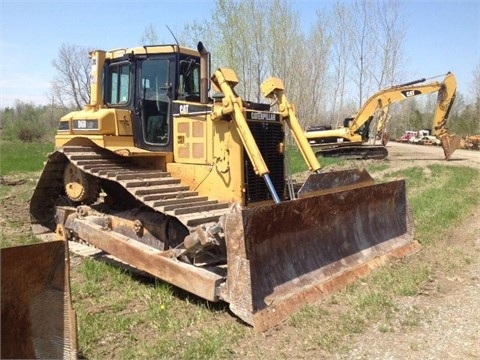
155,189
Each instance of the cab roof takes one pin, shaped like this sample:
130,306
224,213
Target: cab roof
151,49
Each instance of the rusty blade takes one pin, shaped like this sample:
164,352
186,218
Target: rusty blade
450,143
38,321
284,256
317,184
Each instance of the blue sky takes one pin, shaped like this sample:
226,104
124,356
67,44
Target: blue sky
442,36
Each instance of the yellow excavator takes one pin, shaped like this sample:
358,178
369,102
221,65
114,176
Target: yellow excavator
192,188
350,141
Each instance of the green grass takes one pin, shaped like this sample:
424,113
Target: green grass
297,163
17,156
441,197
8,241
151,317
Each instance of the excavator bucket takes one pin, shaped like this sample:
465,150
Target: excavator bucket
37,317
385,138
450,143
281,257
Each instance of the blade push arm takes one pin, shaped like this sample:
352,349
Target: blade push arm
225,80
273,88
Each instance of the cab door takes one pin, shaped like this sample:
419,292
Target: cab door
153,104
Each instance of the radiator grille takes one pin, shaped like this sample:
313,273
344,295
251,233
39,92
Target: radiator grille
268,136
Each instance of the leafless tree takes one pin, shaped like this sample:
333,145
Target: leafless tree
309,71
71,86
338,30
285,46
328,70
476,92
150,36
376,36
240,42
389,28
362,49
198,30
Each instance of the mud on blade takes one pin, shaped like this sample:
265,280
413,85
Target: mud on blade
297,252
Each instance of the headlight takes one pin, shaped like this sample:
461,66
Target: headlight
64,126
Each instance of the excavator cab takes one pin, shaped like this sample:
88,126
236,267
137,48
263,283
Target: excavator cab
193,189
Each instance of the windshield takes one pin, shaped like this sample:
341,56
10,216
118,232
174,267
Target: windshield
154,82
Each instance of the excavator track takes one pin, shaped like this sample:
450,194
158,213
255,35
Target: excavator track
154,189
363,152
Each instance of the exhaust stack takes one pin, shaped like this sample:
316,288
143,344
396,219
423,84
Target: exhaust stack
96,96
204,55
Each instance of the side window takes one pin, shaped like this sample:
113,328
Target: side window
119,84
189,81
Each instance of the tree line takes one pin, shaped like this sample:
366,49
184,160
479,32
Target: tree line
329,67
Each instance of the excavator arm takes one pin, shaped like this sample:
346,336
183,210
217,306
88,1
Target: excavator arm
383,118
446,96
401,92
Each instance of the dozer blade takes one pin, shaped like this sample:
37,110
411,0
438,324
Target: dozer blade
450,143
281,257
353,151
37,317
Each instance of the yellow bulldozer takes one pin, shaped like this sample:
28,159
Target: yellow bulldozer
192,188
351,140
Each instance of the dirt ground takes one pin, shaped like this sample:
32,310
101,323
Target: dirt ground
450,321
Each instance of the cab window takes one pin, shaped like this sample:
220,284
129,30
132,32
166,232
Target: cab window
154,90
119,84
189,80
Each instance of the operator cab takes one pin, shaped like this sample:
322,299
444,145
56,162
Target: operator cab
363,130
147,83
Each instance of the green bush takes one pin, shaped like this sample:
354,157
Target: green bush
28,122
